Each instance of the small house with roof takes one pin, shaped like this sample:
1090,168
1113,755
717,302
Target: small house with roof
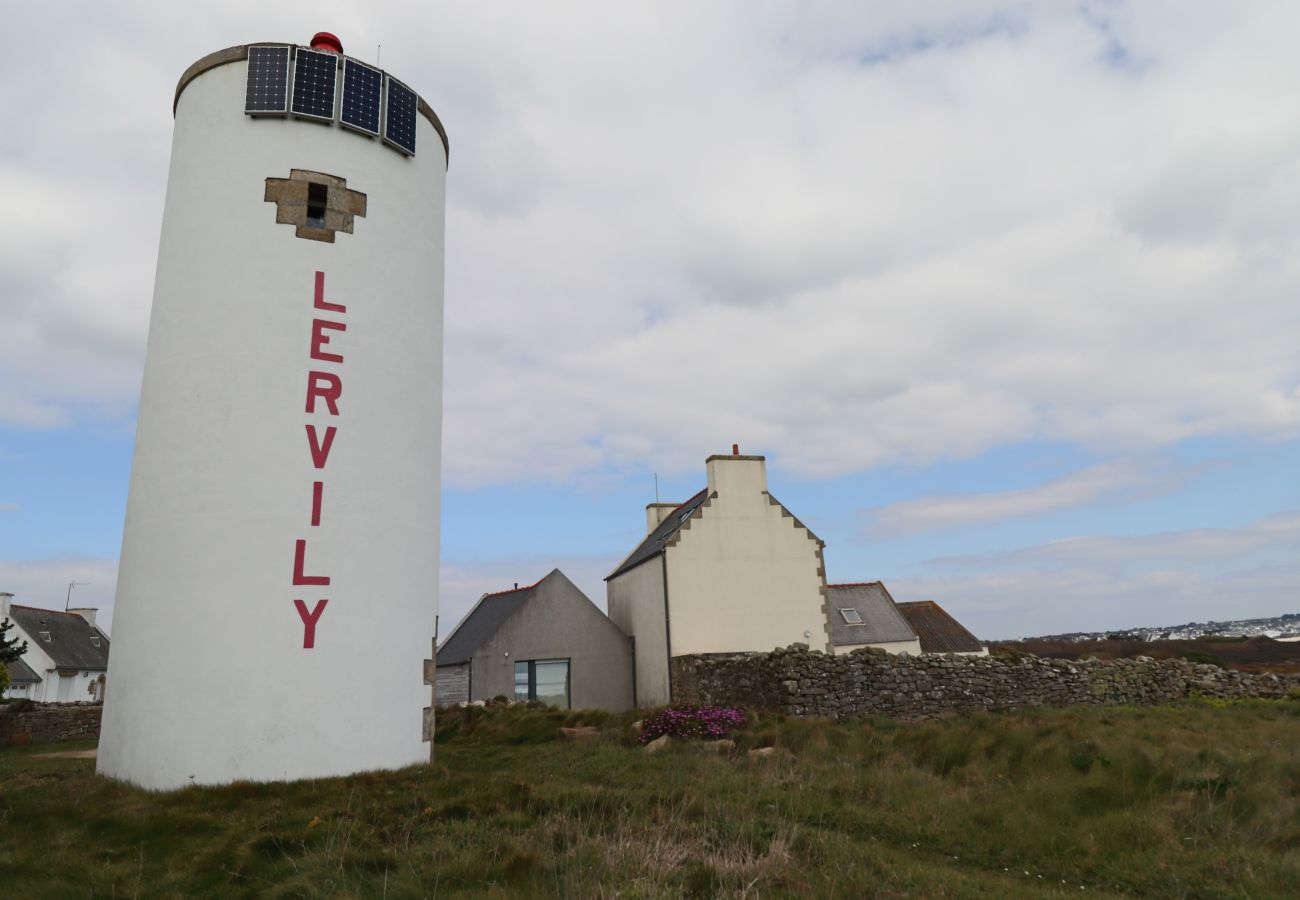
66,658
546,641
865,615
938,631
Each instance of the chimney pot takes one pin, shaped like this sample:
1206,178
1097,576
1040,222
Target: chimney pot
735,449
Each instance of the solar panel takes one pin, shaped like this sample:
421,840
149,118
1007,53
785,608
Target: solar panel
399,125
314,77
267,90
362,87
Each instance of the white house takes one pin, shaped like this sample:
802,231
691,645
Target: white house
732,570
67,655
729,570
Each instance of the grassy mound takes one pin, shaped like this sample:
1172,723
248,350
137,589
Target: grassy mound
1196,799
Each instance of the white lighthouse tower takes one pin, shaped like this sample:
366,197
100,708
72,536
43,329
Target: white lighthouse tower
278,583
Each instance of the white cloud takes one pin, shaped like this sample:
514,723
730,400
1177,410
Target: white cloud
844,237
1103,582
1124,480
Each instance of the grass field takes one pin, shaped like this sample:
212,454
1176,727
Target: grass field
1198,799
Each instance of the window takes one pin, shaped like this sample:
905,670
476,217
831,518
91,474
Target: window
317,196
45,636
851,617
94,641
546,680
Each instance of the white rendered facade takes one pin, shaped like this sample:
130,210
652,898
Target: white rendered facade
281,462
740,575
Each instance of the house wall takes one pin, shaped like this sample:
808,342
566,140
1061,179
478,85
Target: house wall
558,622
40,663
743,574
912,647
451,685
636,606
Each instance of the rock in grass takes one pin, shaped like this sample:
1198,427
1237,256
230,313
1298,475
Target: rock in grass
721,747
657,744
636,728
760,752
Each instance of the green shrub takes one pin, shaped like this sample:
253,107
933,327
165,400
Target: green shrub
4,680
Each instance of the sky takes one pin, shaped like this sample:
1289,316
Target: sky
1006,293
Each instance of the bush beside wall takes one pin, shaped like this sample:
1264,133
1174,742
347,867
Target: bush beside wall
24,722
800,682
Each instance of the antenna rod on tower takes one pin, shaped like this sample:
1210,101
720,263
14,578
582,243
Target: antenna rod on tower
656,487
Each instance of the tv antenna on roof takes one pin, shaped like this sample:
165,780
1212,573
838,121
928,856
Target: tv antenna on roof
67,600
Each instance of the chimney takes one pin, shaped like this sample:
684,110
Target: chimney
735,476
656,513
5,600
86,612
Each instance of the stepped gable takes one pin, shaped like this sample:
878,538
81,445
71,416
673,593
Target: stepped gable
656,540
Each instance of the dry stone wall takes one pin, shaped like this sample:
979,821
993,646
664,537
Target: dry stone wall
870,682
40,723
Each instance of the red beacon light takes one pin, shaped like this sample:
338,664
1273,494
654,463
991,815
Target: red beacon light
330,43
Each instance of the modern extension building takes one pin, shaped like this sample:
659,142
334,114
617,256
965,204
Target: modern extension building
546,641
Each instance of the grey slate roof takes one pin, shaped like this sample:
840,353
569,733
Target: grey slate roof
881,620
70,644
480,624
655,541
939,632
21,673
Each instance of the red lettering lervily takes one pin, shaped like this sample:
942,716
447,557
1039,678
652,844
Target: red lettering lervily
328,388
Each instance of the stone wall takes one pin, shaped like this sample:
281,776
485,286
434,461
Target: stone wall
799,682
23,722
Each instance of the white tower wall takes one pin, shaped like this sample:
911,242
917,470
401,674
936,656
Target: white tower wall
209,680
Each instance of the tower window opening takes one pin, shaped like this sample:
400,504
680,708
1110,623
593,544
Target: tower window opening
317,194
